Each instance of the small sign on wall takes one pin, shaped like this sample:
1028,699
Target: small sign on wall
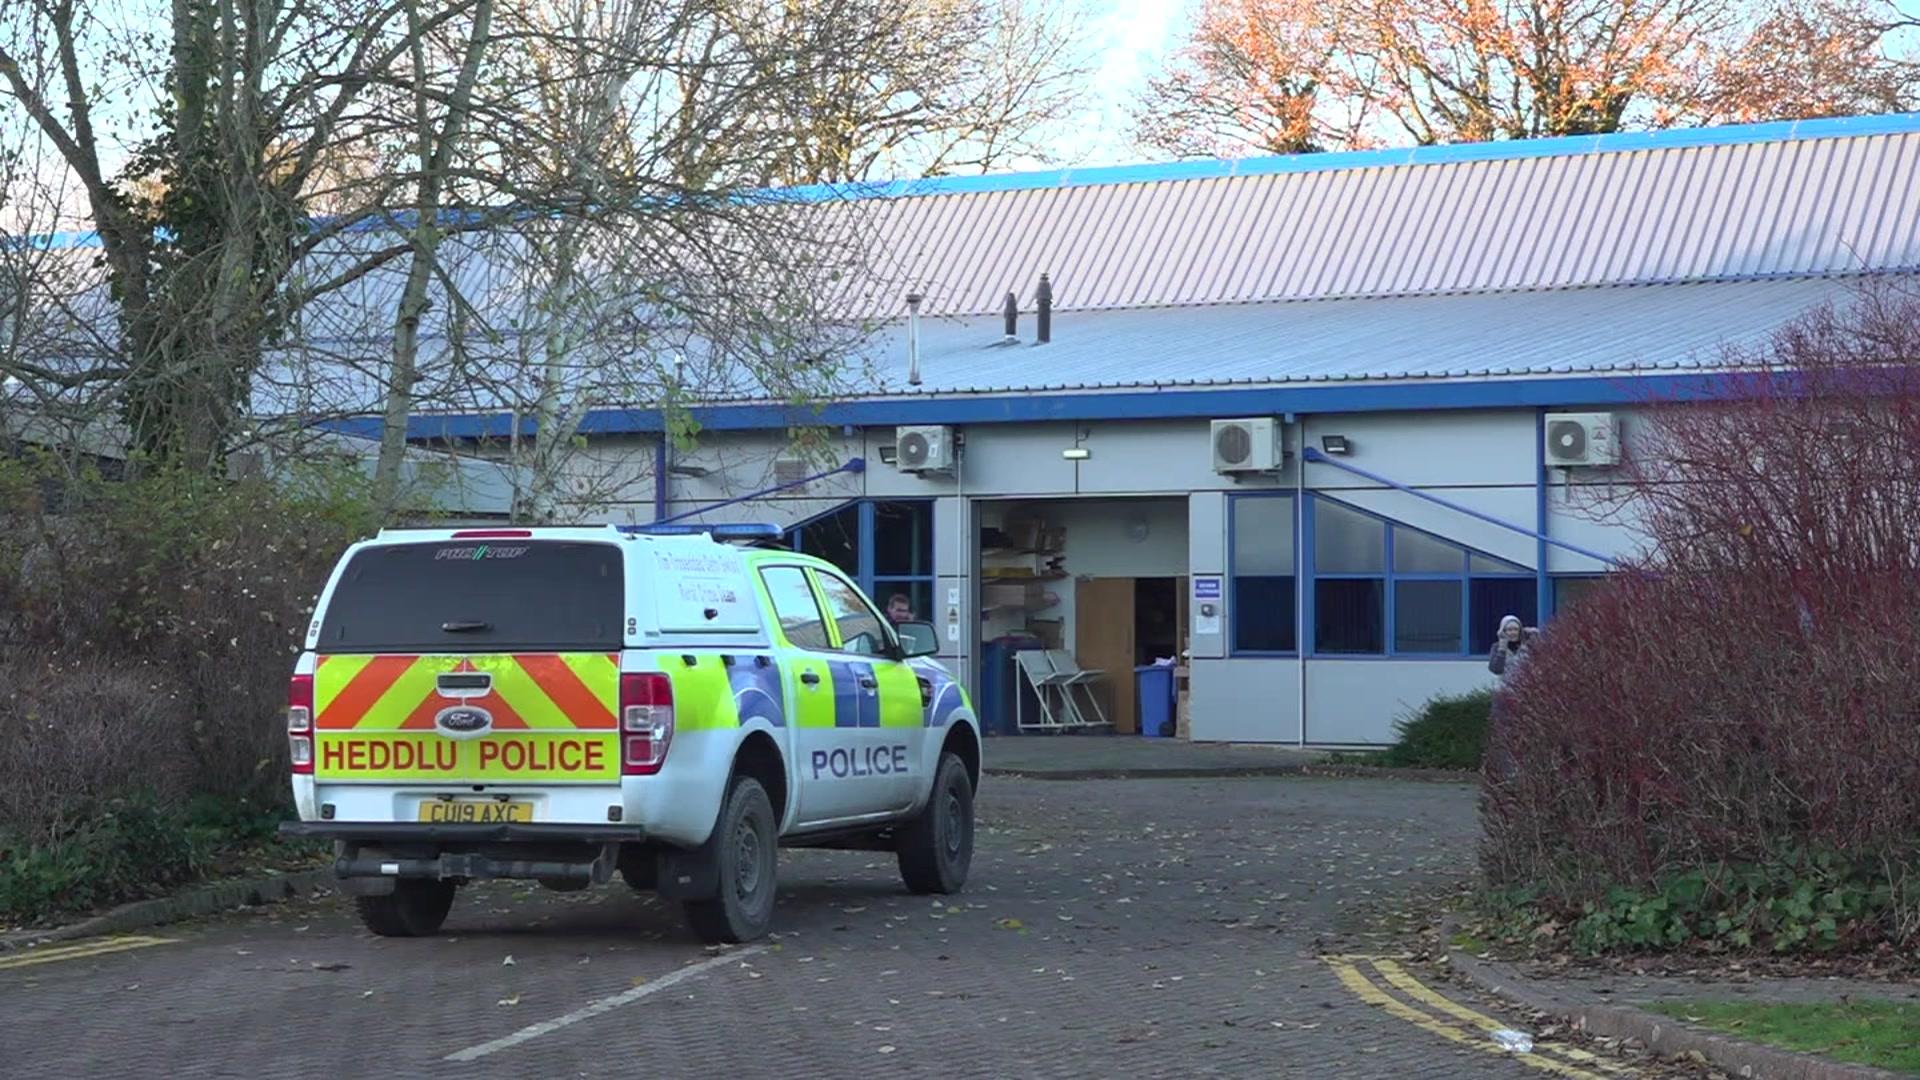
1206,606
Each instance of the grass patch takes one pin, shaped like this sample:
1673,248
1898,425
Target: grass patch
1884,1034
1469,944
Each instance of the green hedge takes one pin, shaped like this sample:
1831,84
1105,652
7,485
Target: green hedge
1447,733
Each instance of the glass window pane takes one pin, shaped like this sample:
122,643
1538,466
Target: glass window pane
1347,541
1426,616
860,628
1568,591
903,539
793,602
1487,564
1492,599
1263,535
1415,552
1349,616
906,601
1263,614
835,538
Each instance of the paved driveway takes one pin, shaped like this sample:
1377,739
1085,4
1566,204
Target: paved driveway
1124,927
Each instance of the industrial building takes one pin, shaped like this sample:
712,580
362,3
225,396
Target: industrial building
1309,424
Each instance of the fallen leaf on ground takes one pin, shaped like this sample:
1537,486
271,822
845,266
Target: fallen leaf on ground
514,1000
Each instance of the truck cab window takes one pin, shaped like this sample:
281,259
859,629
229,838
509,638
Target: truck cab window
861,629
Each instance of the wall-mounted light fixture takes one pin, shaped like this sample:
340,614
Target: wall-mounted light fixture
1335,444
889,455
1077,453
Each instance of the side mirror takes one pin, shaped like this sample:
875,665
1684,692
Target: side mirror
917,639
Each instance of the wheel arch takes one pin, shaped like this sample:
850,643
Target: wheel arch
964,743
759,756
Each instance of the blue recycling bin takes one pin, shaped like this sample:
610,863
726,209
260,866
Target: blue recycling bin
1154,686
1002,688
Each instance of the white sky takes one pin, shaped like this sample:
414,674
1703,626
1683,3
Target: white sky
1128,38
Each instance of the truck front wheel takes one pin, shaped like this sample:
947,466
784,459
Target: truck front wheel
936,847
745,849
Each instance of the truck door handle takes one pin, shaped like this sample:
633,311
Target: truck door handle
868,682
810,678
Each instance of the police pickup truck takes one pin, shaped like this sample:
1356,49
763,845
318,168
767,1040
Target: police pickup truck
559,704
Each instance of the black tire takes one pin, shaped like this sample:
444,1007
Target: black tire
415,908
746,856
936,847
640,878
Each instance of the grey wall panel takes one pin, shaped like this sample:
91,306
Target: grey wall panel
1358,701
1018,460
1155,456
1244,700
1494,447
1207,556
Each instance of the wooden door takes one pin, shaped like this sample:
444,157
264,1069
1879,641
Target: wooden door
1182,588
1103,641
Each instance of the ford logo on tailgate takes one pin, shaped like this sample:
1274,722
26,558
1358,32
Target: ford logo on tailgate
463,721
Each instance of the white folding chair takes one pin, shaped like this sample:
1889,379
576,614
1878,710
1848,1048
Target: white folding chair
1074,677
1049,688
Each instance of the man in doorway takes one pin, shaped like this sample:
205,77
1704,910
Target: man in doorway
899,608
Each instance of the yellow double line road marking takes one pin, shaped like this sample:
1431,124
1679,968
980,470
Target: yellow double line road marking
1453,1021
78,952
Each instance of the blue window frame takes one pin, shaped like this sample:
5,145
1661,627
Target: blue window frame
884,545
1262,571
1381,588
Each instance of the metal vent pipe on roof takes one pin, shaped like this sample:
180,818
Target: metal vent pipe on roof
1043,308
1010,312
913,339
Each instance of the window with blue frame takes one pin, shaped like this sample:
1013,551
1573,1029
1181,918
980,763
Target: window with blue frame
1570,589
1262,593
885,546
1383,589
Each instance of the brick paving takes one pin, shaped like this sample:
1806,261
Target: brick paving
1136,927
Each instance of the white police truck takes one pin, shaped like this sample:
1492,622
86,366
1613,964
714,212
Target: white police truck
561,704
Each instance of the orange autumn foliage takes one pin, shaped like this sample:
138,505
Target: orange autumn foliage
1282,76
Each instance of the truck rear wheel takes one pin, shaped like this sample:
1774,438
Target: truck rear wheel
745,852
936,847
415,908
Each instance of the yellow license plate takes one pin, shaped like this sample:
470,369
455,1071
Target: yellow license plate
475,811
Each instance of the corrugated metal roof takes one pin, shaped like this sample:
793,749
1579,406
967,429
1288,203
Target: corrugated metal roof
1812,201
1588,331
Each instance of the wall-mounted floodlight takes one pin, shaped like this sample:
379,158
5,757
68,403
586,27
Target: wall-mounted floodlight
1335,444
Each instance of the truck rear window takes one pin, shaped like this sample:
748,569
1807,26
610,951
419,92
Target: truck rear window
461,595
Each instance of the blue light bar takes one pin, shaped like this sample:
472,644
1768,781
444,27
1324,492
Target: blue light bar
738,531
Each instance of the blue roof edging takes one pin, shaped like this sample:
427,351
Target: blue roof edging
1329,161
1120,405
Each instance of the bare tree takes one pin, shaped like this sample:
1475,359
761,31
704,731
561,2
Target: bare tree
885,90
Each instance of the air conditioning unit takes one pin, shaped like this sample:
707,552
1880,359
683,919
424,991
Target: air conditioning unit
1575,439
923,449
1248,446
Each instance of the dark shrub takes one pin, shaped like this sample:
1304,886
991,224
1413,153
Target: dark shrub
147,630
1449,732
1741,710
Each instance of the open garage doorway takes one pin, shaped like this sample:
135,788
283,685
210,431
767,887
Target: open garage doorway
1075,594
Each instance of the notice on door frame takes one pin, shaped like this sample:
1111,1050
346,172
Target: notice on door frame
1206,606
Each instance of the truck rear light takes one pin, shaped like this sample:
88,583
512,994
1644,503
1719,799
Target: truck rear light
646,722
300,723
493,534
